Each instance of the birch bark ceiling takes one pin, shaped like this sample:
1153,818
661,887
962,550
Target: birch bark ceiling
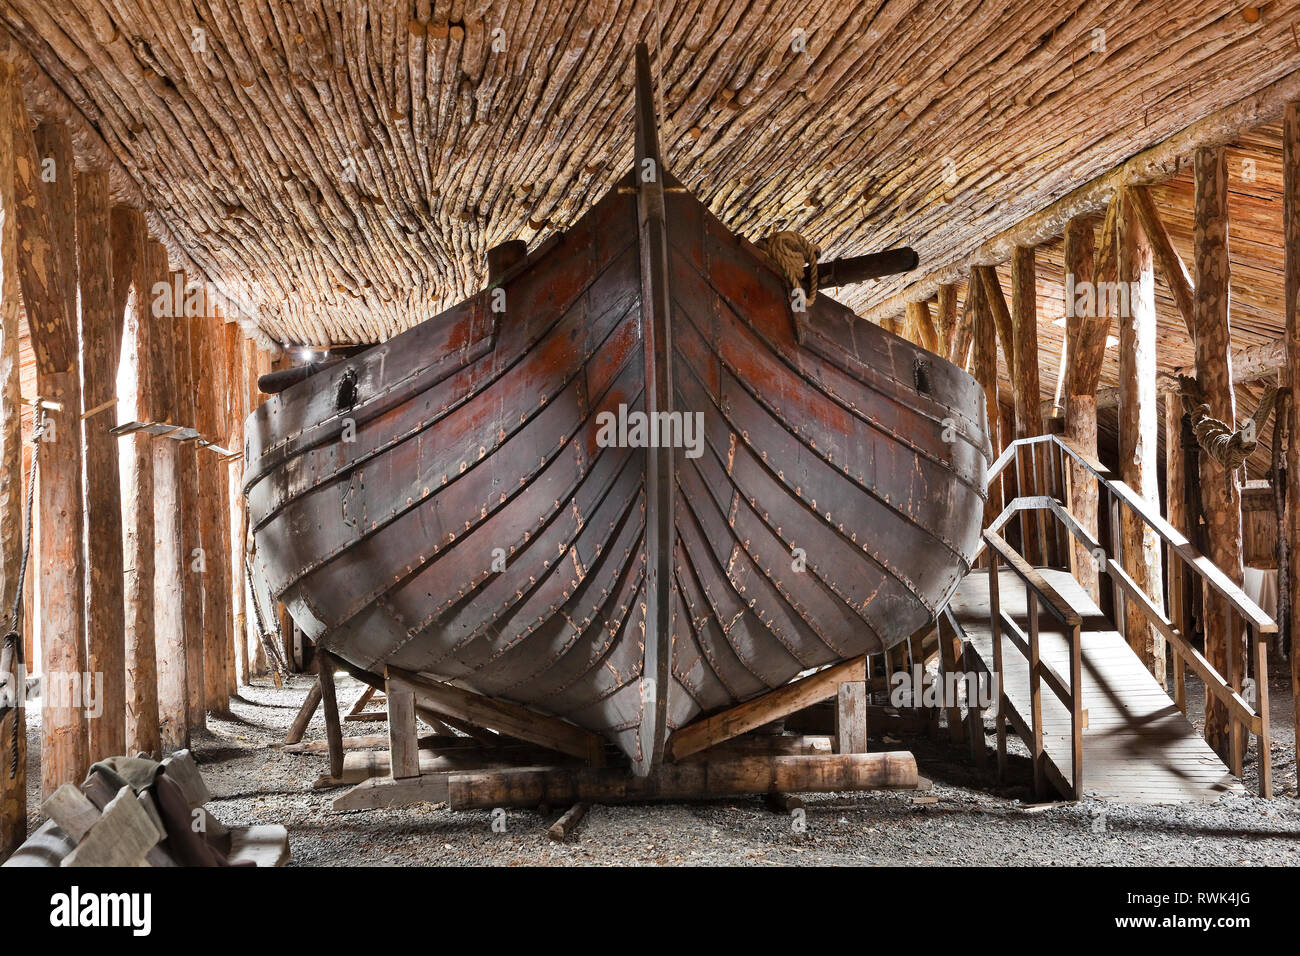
343,167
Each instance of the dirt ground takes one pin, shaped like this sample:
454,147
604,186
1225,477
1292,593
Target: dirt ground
972,821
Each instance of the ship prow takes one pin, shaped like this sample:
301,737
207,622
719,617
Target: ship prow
626,485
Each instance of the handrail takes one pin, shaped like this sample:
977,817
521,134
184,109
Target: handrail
1059,607
1206,569
1212,679
1037,589
1254,719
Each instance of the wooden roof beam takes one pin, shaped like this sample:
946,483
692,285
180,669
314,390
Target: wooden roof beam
1248,365
1152,165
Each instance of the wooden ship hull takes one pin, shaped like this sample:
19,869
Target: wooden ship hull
450,502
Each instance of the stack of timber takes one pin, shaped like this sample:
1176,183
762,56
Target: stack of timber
453,507
134,812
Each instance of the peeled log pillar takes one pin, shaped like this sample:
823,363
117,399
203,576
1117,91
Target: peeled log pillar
1291,236
1138,433
135,457
101,342
1027,392
168,581
193,556
1080,404
246,364
946,324
1225,639
13,724
985,370
207,342
1180,581
46,221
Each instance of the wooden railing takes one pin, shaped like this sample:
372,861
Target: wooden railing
1030,728
1183,558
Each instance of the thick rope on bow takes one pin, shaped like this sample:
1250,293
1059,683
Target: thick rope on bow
1229,447
792,254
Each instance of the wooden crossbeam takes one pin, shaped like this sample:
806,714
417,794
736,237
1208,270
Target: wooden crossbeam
762,710
501,716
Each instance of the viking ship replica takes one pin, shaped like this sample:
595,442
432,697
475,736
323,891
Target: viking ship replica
791,488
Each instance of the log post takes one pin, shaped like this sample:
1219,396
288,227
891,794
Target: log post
194,560
240,384
921,326
1080,401
1027,393
946,323
136,462
13,723
101,343
985,370
1176,512
329,702
1291,236
960,353
1225,642
851,717
45,195
1171,264
1137,430
207,344
242,381
169,562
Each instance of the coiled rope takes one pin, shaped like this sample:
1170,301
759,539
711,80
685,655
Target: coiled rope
791,253
1228,446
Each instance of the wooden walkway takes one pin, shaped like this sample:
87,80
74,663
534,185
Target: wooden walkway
1137,746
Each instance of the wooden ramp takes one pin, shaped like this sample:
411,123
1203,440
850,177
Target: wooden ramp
1137,746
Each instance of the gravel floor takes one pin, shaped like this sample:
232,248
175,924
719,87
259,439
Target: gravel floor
971,822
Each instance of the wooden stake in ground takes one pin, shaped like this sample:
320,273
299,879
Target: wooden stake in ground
101,343
1225,641
325,670
1138,432
46,222
1291,221
13,724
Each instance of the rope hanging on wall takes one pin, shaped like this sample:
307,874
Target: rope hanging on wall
792,253
1229,447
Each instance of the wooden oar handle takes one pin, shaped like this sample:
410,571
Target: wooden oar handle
874,265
